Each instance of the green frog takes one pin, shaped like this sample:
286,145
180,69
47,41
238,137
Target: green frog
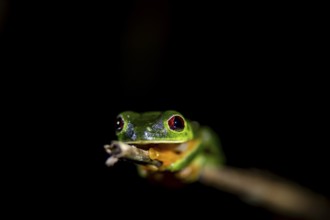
182,147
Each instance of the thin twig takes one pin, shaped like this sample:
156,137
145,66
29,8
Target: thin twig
119,150
273,193
276,194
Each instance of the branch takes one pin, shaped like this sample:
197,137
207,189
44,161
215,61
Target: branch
119,150
273,193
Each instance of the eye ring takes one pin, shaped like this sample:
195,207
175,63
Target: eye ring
119,124
176,123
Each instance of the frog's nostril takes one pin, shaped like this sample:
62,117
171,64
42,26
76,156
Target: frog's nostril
147,135
133,136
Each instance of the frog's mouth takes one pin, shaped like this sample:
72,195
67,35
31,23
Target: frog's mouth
160,155
173,147
167,153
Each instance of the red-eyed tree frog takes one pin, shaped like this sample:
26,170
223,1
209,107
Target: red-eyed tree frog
182,147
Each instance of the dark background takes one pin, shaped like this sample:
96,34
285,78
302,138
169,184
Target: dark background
251,72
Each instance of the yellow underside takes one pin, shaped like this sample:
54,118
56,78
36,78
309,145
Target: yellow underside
169,154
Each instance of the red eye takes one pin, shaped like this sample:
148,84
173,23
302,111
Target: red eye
176,123
119,124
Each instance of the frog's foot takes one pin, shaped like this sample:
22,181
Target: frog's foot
169,153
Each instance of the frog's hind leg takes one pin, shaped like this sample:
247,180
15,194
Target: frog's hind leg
211,155
212,151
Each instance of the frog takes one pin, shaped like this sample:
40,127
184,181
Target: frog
182,146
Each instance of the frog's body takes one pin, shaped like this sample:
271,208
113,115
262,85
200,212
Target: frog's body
183,147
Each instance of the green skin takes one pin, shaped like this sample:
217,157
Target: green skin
153,128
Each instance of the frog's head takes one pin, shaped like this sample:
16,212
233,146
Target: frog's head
153,127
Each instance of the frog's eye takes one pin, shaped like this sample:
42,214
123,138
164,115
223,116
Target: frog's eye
176,123
119,124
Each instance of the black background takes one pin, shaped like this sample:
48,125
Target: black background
253,73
